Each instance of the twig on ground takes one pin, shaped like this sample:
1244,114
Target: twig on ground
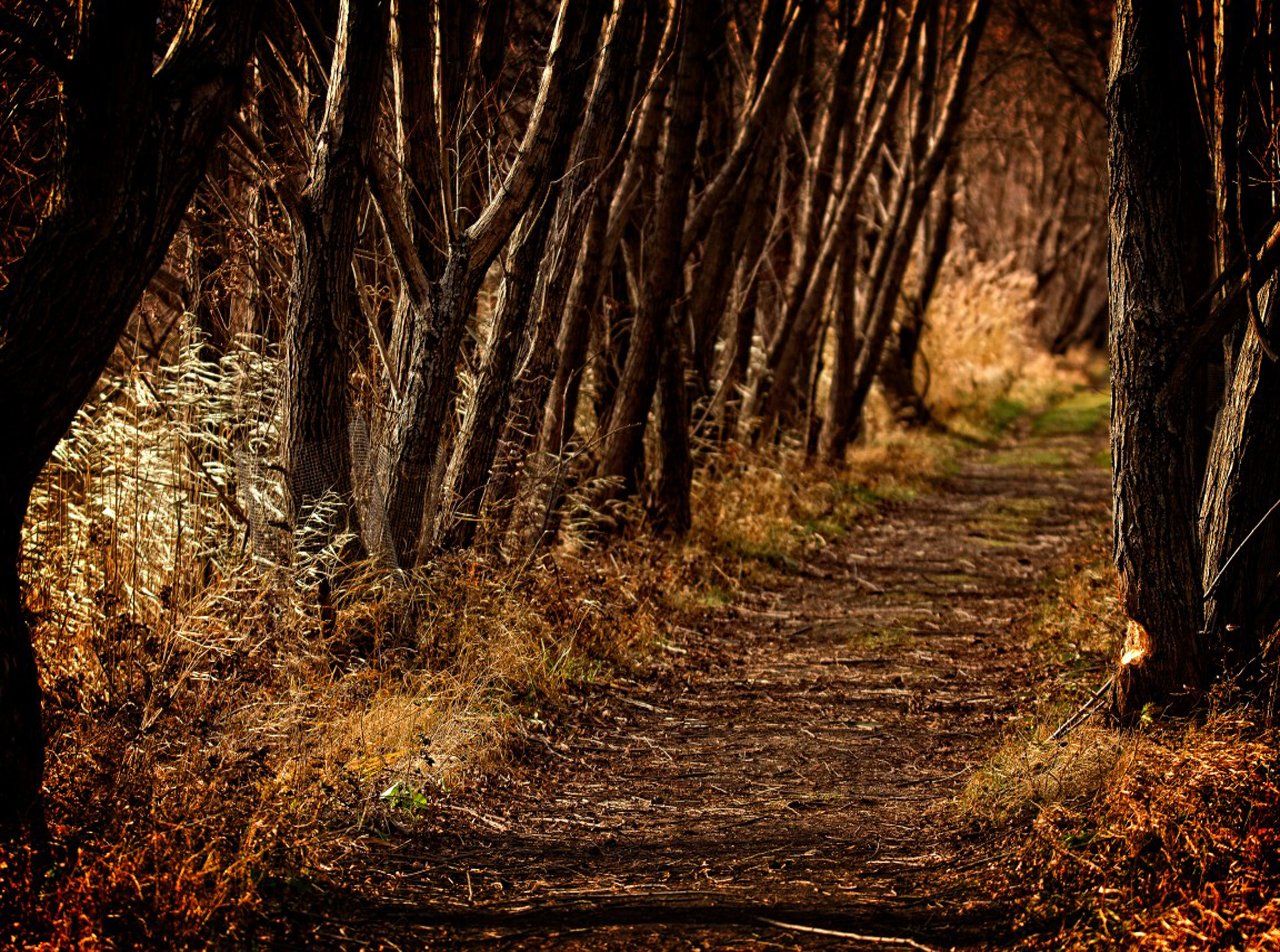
1079,717
858,936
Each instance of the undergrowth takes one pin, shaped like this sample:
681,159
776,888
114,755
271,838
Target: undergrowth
219,723
1167,837
756,510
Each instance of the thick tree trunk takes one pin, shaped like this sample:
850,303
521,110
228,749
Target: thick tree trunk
1159,255
1239,490
322,293
137,140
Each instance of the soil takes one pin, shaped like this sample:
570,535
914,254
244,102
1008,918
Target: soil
779,778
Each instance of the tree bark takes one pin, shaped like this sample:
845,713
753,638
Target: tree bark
441,311
836,433
1239,490
583,199
803,305
136,142
599,247
656,334
932,159
322,293
1159,255
477,441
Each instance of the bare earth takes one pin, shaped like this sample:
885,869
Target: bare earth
789,772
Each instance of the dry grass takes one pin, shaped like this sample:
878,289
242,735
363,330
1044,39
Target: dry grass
215,724
981,362
254,733
767,509
1163,838
213,720
1178,848
1026,775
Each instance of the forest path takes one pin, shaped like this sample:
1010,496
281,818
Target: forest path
791,765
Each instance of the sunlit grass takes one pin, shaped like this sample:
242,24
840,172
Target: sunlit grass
1083,412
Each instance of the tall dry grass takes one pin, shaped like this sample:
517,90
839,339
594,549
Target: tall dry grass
213,716
979,349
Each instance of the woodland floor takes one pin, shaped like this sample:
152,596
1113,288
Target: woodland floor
788,765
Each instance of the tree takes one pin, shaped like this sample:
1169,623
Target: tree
137,139
658,341
322,295
439,308
1159,223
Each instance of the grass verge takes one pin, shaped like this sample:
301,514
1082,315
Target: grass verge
1164,838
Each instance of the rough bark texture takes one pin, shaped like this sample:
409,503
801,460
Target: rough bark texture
477,440
1158,250
599,246
322,293
1239,490
137,141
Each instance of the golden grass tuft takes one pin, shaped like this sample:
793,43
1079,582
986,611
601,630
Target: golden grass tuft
767,508
1026,775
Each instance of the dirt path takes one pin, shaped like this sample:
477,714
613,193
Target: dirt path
788,766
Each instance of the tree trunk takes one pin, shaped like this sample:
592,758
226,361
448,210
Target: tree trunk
898,367
1239,490
600,240
803,305
836,433
137,140
562,321
925,174
1159,255
736,359
322,292
657,329
477,441
441,312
